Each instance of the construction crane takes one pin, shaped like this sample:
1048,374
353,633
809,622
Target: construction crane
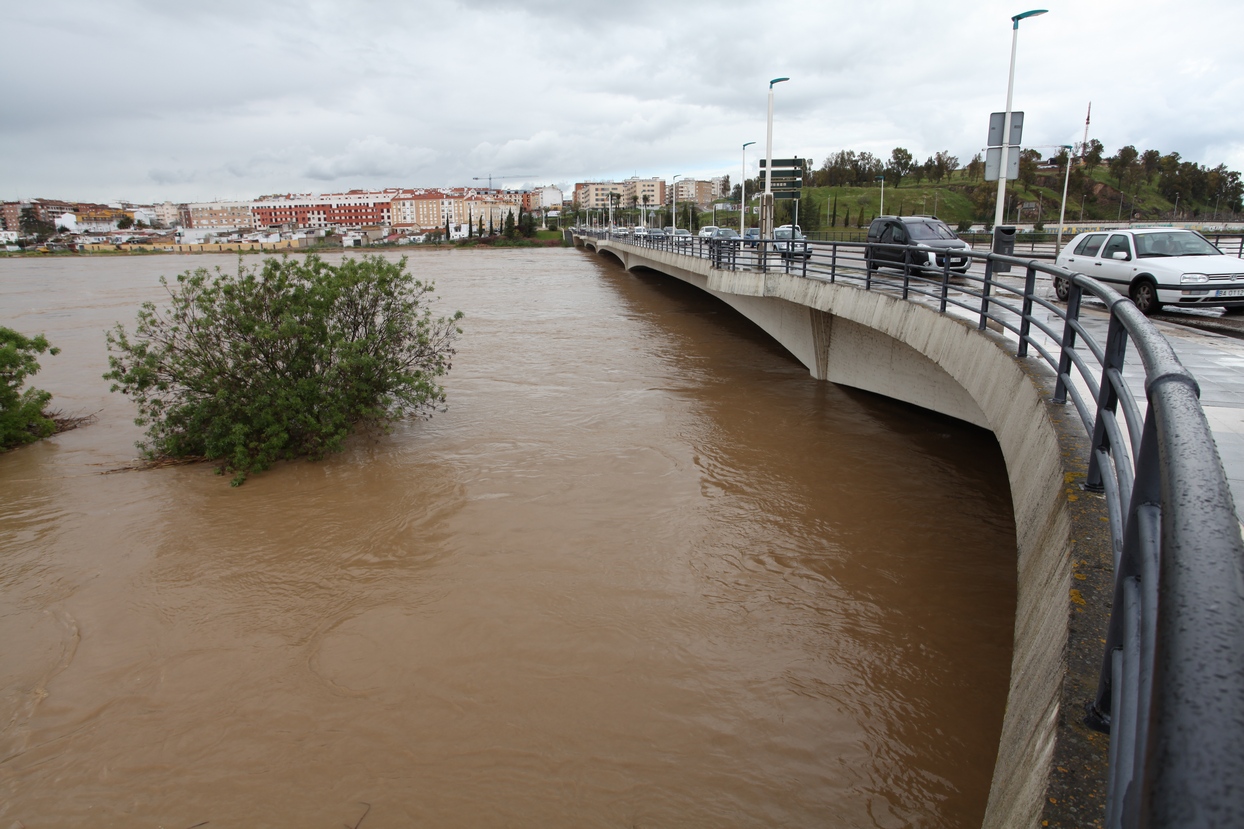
490,177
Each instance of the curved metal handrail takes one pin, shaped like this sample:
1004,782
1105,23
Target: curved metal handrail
1171,692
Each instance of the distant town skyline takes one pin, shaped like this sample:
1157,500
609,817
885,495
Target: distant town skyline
147,102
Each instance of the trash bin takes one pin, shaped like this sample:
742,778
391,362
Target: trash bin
1004,244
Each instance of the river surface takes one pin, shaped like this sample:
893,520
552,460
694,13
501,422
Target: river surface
644,572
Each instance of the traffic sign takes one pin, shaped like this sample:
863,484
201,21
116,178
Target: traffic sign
786,175
993,160
995,129
795,163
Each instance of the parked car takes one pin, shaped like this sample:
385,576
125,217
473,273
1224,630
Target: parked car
791,243
1157,266
706,232
931,236
751,237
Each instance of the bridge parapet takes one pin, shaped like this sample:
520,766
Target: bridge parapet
998,352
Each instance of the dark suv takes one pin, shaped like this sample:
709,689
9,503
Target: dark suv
934,242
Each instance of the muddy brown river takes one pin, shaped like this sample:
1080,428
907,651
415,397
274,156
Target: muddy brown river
644,572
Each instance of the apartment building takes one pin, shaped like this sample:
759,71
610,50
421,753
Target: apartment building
595,194
354,208
430,209
641,191
692,190
545,198
221,215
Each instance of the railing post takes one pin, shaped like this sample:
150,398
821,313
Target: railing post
906,270
1025,323
1068,342
945,288
1107,399
985,289
833,261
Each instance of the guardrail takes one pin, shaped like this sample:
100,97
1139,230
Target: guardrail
1171,693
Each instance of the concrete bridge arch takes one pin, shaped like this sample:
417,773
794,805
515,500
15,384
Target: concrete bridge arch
878,342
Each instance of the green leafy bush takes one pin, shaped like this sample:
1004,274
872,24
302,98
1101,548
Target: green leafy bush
281,361
21,412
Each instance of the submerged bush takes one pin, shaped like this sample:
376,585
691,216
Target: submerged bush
22,419
280,361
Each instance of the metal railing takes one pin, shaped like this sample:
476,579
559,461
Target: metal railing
1171,692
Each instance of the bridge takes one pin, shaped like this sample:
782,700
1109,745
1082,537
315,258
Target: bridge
1096,417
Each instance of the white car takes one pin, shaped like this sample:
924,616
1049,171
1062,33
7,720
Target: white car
1157,266
706,232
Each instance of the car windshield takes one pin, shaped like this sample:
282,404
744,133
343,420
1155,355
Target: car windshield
929,230
785,233
726,233
1173,243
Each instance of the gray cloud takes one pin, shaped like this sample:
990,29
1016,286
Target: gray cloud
232,99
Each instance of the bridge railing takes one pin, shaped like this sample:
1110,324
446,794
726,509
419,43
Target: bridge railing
1171,692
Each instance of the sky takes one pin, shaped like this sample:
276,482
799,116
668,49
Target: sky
152,101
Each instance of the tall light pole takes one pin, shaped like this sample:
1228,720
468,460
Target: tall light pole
766,205
999,215
676,178
743,191
882,209
1062,210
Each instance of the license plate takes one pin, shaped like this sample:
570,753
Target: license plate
1229,292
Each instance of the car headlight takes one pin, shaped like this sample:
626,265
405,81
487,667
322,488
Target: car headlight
1193,277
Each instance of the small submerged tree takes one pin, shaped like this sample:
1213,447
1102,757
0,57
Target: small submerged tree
280,361
22,415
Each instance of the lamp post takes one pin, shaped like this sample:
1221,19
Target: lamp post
766,204
1062,210
881,179
999,215
675,222
743,191
1175,212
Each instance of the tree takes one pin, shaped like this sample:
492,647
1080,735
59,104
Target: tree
1151,161
280,361
900,165
833,216
1093,153
976,167
125,222
32,225
1123,164
1028,160
22,419
510,231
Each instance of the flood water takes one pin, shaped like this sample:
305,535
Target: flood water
644,572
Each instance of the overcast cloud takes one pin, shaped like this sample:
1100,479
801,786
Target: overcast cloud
148,101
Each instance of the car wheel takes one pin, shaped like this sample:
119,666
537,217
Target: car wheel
1062,288
1145,294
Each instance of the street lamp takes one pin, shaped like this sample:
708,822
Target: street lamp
766,207
676,178
743,191
1062,210
882,180
1175,212
998,216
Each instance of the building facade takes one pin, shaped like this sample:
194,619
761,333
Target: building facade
221,215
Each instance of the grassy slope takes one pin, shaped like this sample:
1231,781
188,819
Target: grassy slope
950,200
